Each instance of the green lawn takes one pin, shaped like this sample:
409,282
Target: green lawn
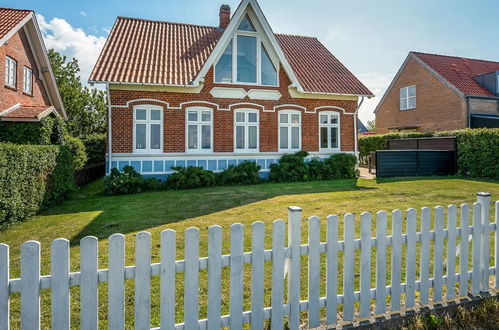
91,213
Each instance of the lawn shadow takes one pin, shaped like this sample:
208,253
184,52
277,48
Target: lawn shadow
132,213
433,178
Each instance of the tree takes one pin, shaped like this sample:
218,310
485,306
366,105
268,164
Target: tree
371,126
85,107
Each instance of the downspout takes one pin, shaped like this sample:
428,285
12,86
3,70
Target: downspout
356,133
109,129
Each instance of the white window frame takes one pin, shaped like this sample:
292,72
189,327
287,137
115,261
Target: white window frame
289,125
148,122
407,98
10,72
28,80
328,125
198,123
247,124
259,43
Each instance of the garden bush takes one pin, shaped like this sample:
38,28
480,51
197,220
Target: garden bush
190,177
95,145
77,148
339,166
244,173
290,168
128,182
24,171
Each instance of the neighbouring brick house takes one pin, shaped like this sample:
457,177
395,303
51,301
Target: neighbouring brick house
29,90
436,92
182,94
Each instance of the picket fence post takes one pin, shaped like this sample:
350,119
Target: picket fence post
476,240
4,286
484,199
59,282
30,285
294,242
496,259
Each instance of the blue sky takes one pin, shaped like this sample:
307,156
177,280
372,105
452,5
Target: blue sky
371,38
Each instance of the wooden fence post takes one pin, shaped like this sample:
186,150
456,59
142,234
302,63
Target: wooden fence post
30,285
168,279
116,279
497,245
4,286
236,275
348,267
365,264
476,240
332,269
59,283
143,281
214,277
381,225
257,274
88,283
484,199
294,242
277,312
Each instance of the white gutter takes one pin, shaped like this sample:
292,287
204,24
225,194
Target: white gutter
109,129
355,115
91,82
301,90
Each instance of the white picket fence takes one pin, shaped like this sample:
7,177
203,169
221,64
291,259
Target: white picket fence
285,265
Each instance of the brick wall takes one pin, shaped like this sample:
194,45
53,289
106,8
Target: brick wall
437,106
223,139
490,107
18,48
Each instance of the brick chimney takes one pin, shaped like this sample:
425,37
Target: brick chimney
224,16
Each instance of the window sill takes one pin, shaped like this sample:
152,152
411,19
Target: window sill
408,109
12,88
28,94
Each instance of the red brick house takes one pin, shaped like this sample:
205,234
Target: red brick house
182,94
436,92
29,91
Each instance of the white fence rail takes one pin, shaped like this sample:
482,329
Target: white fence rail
286,264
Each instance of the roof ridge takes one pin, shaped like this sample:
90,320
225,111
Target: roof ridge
453,56
16,9
168,22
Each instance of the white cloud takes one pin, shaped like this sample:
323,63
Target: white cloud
377,83
72,42
82,13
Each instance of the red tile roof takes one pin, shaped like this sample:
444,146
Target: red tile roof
26,112
157,52
9,18
459,71
317,69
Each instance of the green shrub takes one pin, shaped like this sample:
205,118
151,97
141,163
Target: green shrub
339,166
77,148
60,183
128,182
95,145
290,168
24,170
190,177
316,169
244,173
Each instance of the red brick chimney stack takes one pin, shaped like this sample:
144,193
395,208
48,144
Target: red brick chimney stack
224,16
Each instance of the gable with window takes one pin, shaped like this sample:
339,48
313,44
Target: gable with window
246,59
147,129
199,129
10,72
408,98
329,130
289,130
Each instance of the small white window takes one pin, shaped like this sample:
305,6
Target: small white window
329,130
289,130
148,128
10,72
28,81
408,98
199,129
246,130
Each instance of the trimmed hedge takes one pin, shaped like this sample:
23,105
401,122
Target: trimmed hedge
95,145
49,130
477,149
24,171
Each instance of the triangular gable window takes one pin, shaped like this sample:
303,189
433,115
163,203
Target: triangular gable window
246,25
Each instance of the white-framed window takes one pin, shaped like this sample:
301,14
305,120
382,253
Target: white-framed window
147,128
246,130
10,71
245,59
199,129
329,130
289,130
28,80
408,98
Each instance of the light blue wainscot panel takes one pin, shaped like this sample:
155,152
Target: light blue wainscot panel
232,162
122,164
202,164
212,165
222,164
191,163
180,163
261,163
147,166
136,165
159,166
169,165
